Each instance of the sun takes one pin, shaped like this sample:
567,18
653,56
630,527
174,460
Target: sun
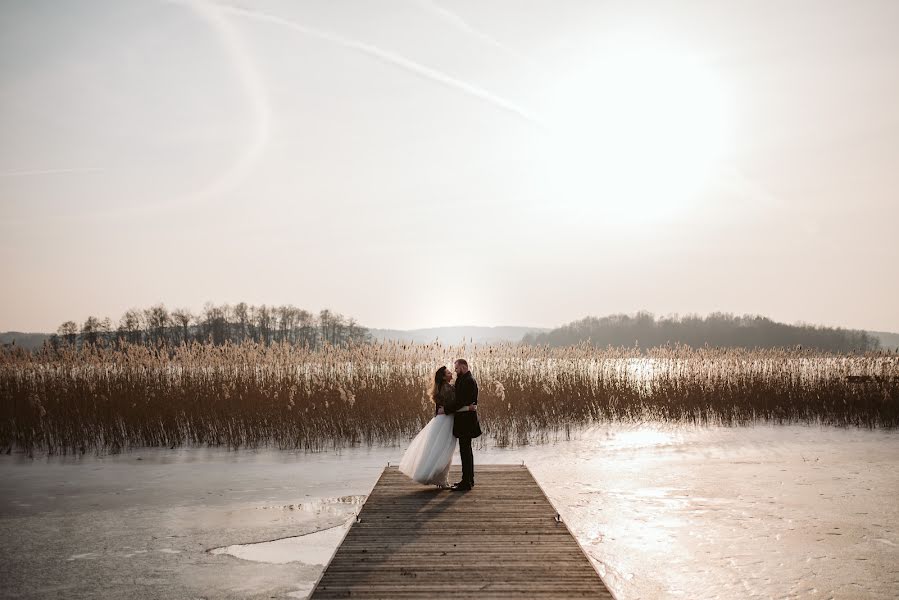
637,128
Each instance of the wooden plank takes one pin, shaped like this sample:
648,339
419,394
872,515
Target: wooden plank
499,540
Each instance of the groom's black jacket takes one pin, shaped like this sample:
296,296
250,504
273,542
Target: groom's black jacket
465,424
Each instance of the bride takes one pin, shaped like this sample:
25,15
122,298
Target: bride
427,460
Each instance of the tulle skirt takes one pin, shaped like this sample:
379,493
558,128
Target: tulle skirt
427,460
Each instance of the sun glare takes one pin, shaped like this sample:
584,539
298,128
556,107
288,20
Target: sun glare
637,128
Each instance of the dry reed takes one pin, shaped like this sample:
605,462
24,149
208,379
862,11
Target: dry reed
103,399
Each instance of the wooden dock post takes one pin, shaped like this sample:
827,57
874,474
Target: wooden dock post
500,540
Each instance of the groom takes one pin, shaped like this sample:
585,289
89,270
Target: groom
465,423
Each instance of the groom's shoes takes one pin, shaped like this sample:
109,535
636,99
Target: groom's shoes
462,486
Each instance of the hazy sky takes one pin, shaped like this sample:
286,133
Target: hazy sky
416,163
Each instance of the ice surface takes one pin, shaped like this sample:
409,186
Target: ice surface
303,592
662,511
313,548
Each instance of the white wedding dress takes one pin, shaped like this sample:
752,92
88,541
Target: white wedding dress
427,460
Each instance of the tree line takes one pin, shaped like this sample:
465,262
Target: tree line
717,329
216,324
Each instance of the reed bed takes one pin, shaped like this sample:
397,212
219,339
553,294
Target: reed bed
107,399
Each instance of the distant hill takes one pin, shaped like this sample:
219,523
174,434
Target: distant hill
455,335
29,341
716,329
450,335
888,341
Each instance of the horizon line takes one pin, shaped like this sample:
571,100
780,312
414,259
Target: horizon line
536,327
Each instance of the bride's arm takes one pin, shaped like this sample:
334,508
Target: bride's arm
449,399
451,406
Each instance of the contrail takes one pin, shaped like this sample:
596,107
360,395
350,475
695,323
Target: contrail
260,108
390,58
260,111
464,26
50,171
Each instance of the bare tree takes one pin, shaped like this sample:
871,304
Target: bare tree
214,326
181,317
131,325
228,317
326,325
308,332
90,331
68,331
105,330
242,314
357,334
262,318
158,320
288,319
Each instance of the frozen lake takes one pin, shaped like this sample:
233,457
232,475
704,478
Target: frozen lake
662,511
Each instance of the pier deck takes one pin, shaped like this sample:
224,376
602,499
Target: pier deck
499,540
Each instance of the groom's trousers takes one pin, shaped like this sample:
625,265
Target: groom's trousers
467,460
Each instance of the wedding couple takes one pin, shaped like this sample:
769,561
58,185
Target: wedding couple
427,460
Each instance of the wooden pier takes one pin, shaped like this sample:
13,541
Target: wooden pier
500,540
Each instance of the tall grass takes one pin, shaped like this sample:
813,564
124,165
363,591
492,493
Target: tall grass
102,399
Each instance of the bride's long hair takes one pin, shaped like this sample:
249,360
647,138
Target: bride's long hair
439,379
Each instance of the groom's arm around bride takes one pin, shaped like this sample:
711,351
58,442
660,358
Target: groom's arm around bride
465,421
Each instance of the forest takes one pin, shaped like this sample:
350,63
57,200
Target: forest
717,330
216,324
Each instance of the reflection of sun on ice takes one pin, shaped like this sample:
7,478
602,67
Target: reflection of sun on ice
637,126
640,438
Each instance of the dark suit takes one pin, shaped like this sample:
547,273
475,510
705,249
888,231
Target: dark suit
465,424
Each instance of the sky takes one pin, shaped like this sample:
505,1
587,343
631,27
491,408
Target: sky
416,163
